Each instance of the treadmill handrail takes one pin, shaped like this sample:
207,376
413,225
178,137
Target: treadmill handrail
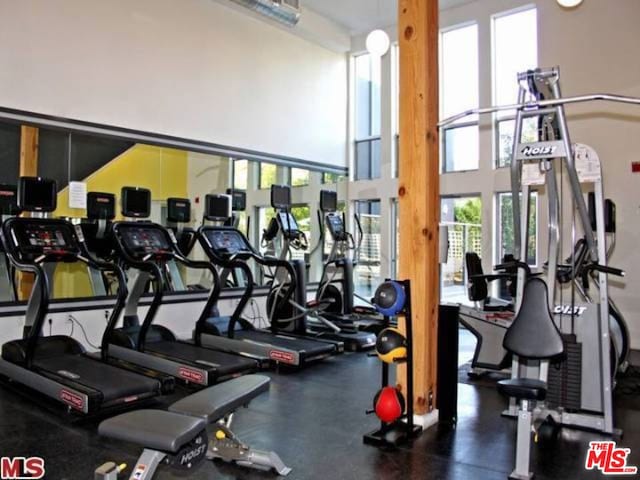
121,295
156,277
214,293
228,264
268,261
37,305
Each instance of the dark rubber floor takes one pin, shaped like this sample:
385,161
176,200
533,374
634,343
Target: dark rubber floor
315,420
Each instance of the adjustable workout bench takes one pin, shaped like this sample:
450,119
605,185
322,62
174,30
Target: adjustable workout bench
178,437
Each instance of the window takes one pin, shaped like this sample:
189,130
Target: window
505,130
328,177
299,177
367,117
268,175
459,92
515,40
504,227
240,174
463,216
367,271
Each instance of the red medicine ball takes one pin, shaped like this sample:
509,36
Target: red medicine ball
389,404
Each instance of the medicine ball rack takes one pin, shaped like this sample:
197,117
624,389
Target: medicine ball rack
403,430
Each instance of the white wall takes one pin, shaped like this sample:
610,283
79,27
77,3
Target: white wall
189,68
596,47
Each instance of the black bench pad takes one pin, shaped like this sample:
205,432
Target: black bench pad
154,429
213,403
523,388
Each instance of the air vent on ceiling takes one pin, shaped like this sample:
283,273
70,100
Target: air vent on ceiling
283,11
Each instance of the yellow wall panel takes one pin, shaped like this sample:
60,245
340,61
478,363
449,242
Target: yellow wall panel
161,170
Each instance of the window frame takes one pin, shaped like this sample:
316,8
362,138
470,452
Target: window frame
499,117
461,124
370,138
497,252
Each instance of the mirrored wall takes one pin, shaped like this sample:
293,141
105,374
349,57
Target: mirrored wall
104,164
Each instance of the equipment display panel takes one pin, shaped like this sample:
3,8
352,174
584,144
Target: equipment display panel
179,210
101,206
145,239
226,242
36,237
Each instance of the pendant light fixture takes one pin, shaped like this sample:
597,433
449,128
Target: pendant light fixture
378,42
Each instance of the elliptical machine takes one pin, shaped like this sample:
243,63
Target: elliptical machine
336,283
297,315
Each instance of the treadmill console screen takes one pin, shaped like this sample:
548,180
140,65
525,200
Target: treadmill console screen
101,206
37,194
227,242
36,238
280,196
328,201
217,207
136,202
238,199
179,210
143,240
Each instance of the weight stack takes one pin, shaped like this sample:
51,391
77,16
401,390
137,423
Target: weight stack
447,375
565,377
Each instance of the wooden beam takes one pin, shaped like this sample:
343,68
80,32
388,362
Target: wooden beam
419,182
28,151
28,168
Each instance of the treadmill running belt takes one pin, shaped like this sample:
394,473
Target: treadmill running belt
307,347
222,363
114,383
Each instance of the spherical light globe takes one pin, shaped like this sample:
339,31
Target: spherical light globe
569,3
378,43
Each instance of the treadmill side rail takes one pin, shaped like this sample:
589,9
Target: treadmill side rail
188,373
58,391
276,354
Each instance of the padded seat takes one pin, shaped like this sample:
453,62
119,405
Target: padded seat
214,403
154,429
523,388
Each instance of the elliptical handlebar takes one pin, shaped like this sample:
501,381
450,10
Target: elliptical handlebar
604,269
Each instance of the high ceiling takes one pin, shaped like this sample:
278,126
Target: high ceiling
359,16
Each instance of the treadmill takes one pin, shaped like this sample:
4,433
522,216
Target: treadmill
229,249
57,365
148,248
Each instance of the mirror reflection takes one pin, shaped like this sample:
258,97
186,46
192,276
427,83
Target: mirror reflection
84,164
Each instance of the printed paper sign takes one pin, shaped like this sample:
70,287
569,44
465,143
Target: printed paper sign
77,195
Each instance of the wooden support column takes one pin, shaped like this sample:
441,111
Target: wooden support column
28,151
419,192
28,168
